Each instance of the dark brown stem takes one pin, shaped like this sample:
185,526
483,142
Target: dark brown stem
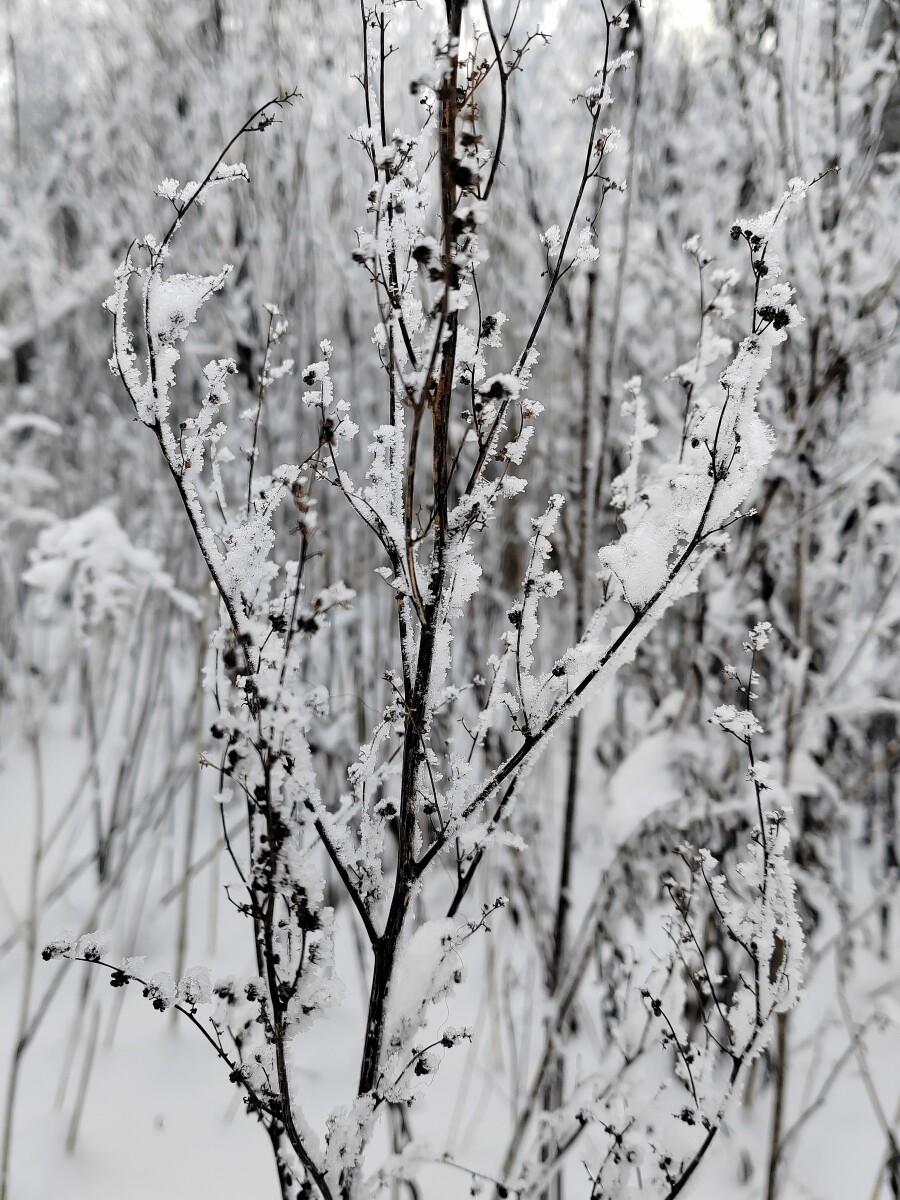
781,1051
569,821
386,947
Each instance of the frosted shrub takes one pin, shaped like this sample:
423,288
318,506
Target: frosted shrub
421,802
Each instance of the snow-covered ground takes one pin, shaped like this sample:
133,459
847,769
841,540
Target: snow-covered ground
156,1116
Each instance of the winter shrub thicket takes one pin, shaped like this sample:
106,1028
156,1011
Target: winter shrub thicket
454,500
